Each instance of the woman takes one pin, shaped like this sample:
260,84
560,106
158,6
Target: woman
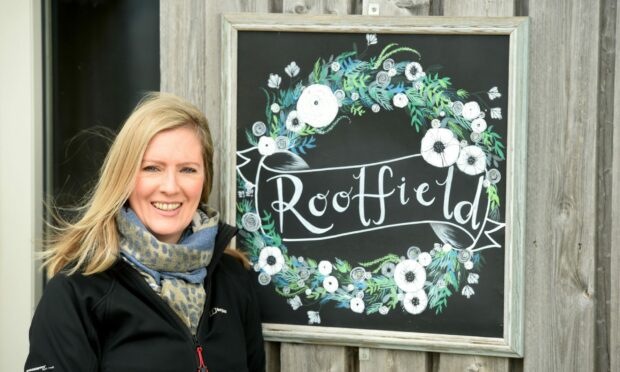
143,280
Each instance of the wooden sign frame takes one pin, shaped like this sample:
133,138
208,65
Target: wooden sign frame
512,152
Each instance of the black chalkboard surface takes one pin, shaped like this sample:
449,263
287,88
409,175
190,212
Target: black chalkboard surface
371,178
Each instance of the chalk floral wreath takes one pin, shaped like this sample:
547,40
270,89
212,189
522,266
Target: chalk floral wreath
456,132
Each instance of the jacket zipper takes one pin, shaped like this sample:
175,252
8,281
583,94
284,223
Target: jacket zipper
201,363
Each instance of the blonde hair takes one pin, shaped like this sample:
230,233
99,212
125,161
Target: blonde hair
91,244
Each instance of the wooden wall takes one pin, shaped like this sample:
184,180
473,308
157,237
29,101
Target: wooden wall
573,217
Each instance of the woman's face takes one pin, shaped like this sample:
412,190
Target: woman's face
169,183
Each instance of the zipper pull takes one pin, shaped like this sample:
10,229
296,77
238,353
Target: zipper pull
202,367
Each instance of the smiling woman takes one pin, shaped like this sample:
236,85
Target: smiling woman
142,268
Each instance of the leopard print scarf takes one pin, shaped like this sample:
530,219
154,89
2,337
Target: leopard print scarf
176,272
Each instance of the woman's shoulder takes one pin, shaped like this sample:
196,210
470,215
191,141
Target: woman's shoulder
88,288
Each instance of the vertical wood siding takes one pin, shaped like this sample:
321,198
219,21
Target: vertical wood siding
614,222
572,316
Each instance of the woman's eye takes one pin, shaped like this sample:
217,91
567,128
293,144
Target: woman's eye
189,170
150,168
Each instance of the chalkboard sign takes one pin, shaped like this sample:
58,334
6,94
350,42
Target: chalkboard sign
378,177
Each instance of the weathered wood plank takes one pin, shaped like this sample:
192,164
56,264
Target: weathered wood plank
614,222
190,57
372,360
396,7
469,363
272,356
182,49
561,232
317,7
607,52
478,8
312,358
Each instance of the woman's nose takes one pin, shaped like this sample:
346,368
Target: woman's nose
170,184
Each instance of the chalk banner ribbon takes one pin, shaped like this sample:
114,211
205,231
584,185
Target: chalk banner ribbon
312,204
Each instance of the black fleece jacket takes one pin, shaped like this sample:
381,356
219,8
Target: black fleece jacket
113,321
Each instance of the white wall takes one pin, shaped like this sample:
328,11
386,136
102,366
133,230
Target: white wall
21,174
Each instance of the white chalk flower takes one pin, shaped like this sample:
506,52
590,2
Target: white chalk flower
457,107
478,125
282,143
371,39
468,265
340,95
383,79
274,81
472,160
425,259
293,123
440,147
467,291
357,305
330,284
471,110
271,260
375,107
472,278
325,267
275,108
314,317
494,93
357,274
292,69
295,302
496,113
335,66
259,128
264,279
266,146
464,255
388,269
415,302
317,106
400,100
409,276
494,176
250,221
413,71
388,64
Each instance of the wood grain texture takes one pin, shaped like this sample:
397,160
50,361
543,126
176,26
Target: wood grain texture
493,8
469,363
560,250
337,7
397,7
373,360
272,356
614,329
182,49
607,55
312,358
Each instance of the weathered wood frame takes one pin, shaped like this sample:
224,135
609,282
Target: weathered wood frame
511,344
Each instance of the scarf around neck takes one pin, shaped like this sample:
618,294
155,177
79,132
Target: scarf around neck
176,272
